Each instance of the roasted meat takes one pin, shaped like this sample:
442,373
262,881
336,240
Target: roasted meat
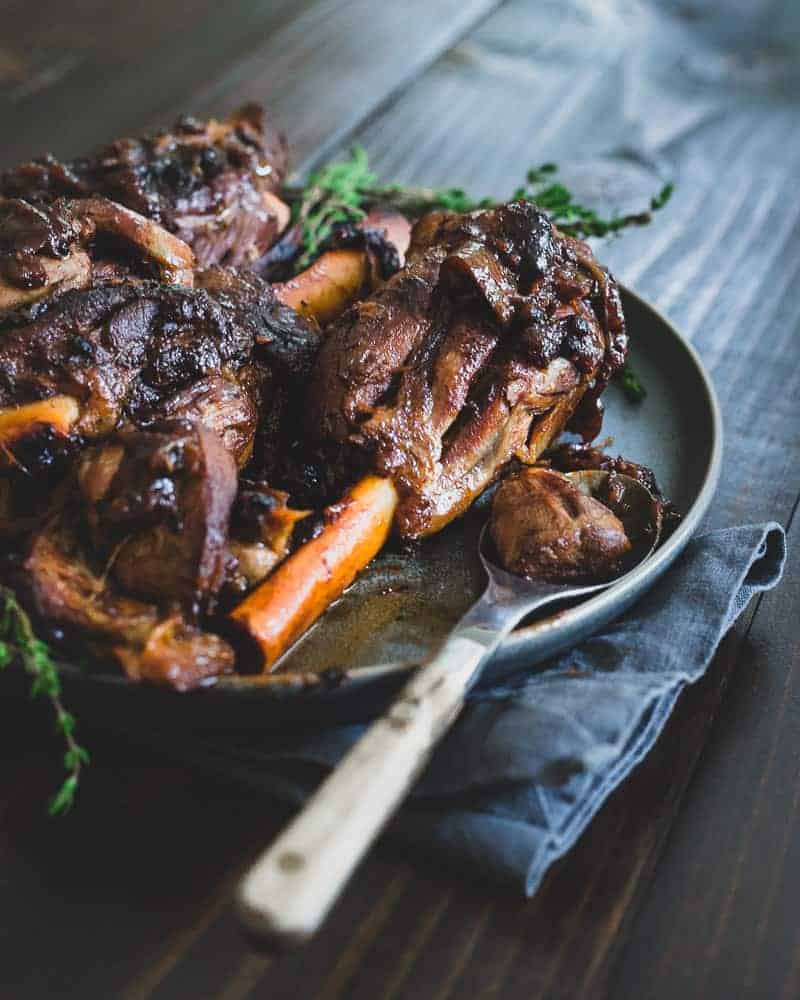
545,528
75,598
210,183
158,503
477,351
133,352
154,529
46,249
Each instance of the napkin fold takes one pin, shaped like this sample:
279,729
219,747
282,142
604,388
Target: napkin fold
529,763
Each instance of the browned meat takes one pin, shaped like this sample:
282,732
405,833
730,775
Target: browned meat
477,351
158,503
46,249
545,528
75,598
153,531
141,552
211,183
133,352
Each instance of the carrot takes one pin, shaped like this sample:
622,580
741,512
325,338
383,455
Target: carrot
59,412
304,585
328,286
338,277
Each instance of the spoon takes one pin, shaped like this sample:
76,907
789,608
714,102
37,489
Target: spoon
288,892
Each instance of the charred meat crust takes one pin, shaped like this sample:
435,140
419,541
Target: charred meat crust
135,352
210,183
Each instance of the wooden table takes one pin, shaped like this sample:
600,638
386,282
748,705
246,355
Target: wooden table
687,883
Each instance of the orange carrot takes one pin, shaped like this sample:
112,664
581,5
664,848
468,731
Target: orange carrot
59,412
304,585
328,286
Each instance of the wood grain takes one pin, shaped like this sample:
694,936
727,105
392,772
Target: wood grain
743,807
685,883
321,67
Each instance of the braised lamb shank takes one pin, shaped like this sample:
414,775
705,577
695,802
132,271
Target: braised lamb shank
477,352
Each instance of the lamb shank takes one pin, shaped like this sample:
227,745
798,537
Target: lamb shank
477,352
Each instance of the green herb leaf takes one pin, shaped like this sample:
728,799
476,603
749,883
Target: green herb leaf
630,384
18,640
334,193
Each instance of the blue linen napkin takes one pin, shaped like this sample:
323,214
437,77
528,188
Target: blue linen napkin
529,763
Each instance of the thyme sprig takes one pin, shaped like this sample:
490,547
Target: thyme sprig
342,191
630,383
18,640
334,193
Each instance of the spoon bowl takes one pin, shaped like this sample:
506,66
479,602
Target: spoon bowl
633,504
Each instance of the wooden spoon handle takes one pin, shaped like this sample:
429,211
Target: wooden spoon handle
289,891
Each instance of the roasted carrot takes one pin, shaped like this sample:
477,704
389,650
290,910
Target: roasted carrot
302,587
337,278
328,286
58,412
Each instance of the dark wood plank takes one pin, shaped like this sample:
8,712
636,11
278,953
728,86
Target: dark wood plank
76,77
732,865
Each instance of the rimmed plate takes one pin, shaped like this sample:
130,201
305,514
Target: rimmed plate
364,647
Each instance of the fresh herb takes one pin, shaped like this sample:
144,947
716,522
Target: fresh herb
18,640
335,193
340,192
629,383
573,218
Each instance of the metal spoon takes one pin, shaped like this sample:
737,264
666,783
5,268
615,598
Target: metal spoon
288,892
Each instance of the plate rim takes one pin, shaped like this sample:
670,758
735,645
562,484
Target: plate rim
280,685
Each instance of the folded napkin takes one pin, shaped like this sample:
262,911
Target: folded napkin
529,763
